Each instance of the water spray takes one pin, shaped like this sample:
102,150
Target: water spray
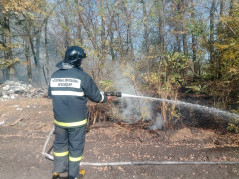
211,110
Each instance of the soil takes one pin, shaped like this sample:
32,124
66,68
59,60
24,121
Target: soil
28,122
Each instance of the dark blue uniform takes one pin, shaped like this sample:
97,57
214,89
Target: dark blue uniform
69,87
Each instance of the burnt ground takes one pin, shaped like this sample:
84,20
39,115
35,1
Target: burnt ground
28,122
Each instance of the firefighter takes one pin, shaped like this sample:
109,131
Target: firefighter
69,87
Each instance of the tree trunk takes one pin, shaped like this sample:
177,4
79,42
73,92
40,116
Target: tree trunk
211,38
178,27
145,22
4,55
38,46
111,34
220,26
79,33
222,5
33,50
232,5
47,54
185,45
7,34
103,34
27,51
79,29
129,32
161,26
28,60
119,39
194,44
67,26
79,23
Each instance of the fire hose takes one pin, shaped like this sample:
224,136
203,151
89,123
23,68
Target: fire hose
119,94
50,157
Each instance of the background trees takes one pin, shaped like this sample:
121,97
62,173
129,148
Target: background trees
170,44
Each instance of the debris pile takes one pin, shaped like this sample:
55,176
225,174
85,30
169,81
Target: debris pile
19,89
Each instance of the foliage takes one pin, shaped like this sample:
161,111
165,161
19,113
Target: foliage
196,88
233,128
196,27
106,84
223,70
175,65
7,63
171,70
21,6
165,82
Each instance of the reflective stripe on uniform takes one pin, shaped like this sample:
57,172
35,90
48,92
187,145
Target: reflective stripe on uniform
70,124
102,97
75,159
68,93
61,154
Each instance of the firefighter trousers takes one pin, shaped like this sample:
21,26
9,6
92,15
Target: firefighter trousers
68,149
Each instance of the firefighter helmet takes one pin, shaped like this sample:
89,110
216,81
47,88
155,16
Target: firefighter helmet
74,55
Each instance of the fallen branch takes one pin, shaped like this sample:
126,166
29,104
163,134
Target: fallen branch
16,122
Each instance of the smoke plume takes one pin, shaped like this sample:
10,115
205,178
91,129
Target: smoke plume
134,109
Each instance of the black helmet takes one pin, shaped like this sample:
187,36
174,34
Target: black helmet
74,55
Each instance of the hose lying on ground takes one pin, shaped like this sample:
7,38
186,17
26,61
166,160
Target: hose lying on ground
45,154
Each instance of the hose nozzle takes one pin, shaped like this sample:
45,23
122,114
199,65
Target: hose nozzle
118,94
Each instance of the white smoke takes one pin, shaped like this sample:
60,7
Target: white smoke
134,109
129,108
158,122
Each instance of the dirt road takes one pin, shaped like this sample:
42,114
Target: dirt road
28,122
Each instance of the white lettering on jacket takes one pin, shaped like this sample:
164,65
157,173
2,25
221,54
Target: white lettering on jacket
65,82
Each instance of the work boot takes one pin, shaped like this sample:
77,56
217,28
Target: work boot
81,174
55,175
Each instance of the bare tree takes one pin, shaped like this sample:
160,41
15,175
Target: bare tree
86,23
